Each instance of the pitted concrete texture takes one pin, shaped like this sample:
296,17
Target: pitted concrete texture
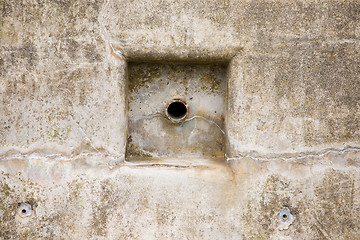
240,200
291,129
152,133
61,90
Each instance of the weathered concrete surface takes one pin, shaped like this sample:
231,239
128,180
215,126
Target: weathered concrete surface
242,200
152,87
292,120
300,96
60,88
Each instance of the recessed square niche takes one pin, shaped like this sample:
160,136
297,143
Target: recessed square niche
175,111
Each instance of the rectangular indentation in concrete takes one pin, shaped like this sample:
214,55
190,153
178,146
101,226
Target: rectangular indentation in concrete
152,87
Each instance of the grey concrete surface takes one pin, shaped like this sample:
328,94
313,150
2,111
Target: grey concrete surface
291,120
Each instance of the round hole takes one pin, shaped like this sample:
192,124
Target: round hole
24,210
285,215
177,110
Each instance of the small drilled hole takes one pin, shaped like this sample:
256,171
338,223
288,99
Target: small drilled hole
23,211
285,215
177,110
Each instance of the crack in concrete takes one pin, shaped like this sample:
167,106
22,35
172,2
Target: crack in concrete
206,119
303,155
85,136
158,114
33,155
103,33
142,117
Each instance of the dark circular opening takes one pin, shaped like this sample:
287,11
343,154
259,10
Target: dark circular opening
23,211
284,216
177,110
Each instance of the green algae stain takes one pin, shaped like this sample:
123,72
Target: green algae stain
141,76
6,190
210,83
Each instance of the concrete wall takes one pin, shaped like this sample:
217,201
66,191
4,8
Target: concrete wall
292,122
